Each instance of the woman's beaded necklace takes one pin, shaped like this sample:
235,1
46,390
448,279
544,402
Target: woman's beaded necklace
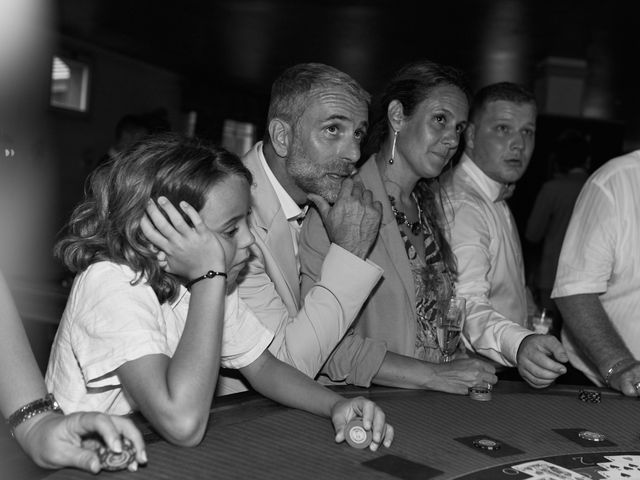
419,226
401,217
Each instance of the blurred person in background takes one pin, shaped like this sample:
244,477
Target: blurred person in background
552,209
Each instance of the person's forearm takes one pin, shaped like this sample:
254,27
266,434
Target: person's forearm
175,393
329,308
305,340
24,435
490,334
20,377
21,381
486,330
452,377
404,372
286,385
588,323
193,369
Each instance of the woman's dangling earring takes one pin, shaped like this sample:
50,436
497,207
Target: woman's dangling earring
393,146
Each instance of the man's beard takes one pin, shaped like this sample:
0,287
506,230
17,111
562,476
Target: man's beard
312,178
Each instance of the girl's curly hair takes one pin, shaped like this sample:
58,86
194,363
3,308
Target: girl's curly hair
106,224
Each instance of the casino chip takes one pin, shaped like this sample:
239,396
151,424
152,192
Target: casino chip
356,435
110,460
486,444
113,461
590,396
592,436
481,393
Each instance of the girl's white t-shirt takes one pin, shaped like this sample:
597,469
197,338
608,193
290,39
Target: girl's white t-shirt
108,322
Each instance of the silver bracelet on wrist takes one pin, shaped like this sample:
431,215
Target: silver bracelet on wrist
30,410
615,367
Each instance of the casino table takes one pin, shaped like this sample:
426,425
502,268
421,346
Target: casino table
252,437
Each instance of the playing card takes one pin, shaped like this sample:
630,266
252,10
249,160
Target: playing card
620,467
541,469
631,461
543,477
615,475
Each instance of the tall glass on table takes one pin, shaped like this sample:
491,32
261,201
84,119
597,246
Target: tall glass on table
449,327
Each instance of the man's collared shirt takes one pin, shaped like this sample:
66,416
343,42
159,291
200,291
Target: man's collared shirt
485,241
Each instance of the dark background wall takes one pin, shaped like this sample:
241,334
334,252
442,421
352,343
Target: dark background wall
219,57
223,56
118,85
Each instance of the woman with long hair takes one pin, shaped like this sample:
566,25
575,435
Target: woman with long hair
424,111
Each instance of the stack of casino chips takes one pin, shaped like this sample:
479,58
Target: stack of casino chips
589,396
110,460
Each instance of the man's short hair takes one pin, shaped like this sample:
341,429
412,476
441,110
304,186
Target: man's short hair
291,89
506,91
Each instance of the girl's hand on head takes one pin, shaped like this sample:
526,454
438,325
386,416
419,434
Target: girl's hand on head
373,419
185,250
161,257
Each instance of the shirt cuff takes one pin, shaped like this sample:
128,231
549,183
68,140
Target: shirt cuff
247,358
340,260
356,361
568,290
364,371
510,342
102,372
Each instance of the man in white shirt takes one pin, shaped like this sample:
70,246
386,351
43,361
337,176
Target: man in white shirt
500,139
316,122
597,286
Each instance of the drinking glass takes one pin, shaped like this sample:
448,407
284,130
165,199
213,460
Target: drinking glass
449,327
541,322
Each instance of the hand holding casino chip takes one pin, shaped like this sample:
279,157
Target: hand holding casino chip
356,435
119,458
55,440
373,420
461,373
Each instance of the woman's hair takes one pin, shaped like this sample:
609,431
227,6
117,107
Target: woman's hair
433,199
106,224
411,85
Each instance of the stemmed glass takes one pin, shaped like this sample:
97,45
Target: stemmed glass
449,327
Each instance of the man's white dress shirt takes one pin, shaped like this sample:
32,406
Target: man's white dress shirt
484,239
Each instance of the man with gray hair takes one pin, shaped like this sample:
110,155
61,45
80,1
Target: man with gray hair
316,122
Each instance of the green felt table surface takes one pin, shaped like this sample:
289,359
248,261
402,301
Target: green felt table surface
252,437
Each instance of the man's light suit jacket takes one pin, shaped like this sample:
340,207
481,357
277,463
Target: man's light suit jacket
306,330
387,321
